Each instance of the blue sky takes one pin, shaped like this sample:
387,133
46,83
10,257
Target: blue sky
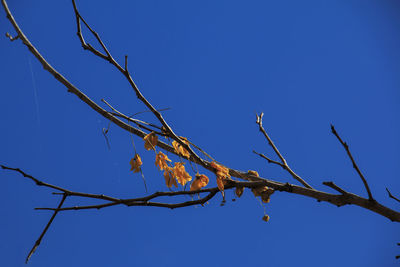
305,64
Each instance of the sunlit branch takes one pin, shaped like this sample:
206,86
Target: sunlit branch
283,160
127,75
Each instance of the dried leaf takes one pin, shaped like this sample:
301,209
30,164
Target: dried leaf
199,182
239,191
265,218
253,173
264,192
220,183
136,162
150,141
161,161
180,149
169,177
181,174
221,171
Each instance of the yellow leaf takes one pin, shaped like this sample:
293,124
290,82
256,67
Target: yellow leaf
239,191
170,177
136,162
150,141
180,149
161,161
181,174
200,182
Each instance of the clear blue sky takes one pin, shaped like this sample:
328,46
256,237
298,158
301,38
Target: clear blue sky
306,64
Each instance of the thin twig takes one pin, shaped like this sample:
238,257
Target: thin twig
105,132
283,160
270,160
66,191
391,196
346,147
73,89
127,75
334,186
37,243
139,123
12,38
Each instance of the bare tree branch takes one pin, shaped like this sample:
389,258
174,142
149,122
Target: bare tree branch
37,243
391,196
127,75
337,188
346,147
139,123
284,163
251,180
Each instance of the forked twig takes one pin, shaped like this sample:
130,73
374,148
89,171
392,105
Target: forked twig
391,196
37,243
125,72
283,160
346,147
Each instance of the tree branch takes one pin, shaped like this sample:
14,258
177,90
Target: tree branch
252,181
346,147
391,196
284,163
127,75
37,243
345,198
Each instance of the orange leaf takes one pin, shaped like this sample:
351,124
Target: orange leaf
150,141
220,183
136,162
181,174
180,149
169,177
200,182
161,161
221,171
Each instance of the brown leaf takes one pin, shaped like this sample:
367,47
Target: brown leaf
239,191
265,218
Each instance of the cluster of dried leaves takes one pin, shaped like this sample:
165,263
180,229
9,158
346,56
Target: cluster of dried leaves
175,173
